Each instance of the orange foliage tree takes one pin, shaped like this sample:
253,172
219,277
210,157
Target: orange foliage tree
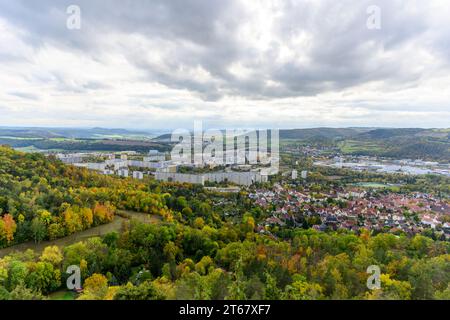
9,228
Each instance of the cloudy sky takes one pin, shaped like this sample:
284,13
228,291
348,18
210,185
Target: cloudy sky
159,64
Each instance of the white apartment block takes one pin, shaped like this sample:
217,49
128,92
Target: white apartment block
70,158
122,173
155,158
138,175
239,178
91,166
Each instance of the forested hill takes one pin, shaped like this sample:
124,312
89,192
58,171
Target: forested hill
41,198
70,133
321,133
412,143
431,144
194,252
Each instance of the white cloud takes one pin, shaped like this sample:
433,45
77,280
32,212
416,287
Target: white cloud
236,63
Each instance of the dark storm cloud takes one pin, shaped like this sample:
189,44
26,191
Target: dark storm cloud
206,35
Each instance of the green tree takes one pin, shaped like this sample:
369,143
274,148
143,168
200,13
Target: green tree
38,230
144,291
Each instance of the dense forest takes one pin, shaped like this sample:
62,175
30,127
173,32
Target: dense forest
179,261
195,251
41,198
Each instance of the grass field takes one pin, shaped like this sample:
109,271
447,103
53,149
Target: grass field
34,149
375,185
352,146
62,295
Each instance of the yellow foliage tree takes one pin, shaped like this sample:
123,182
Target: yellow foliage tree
95,287
52,255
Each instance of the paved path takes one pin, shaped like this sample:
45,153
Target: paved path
115,225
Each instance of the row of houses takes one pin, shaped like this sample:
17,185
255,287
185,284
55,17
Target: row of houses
353,209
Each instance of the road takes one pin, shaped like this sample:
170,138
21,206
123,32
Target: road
115,225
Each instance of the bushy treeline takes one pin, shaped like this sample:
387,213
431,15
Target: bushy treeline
176,261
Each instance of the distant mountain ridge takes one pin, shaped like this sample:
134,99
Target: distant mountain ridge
414,143
71,133
329,133
339,133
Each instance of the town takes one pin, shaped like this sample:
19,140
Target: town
354,209
132,164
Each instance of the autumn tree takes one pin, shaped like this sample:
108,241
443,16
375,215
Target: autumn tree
38,229
52,255
9,227
95,287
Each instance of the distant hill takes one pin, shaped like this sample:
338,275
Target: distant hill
70,133
164,137
326,133
414,143
74,139
432,144
390,133
304,134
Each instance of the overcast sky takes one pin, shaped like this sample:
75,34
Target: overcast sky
162,64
